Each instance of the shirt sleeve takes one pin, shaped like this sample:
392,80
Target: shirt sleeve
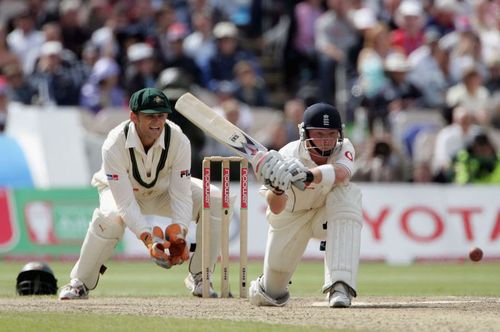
181,201
123,193
346,156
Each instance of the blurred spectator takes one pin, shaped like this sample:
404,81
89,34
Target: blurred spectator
200,44
105,36
4,102
450,140
429,70
228,54
471,94
53,33
43,12
466,49
90,55
19,88
364,20
387,13
174,83
479,162
53,79
25,39
140,72
381,162
300,58
7,57
421,172
226,91
175,57
72,30
250,88
335,36
294,113
442,16
410,20
231,110
165,17
96,14
277,136
397,94
142,19
486,23
371,60
102,89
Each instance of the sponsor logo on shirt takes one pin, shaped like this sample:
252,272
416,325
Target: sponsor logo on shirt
186,173
348,155
112,177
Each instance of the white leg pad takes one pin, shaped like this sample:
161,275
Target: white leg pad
343,236
258,296
103,235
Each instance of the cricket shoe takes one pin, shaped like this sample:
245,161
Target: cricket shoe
195,285
75,290
339,296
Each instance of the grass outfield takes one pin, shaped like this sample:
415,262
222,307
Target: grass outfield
144,279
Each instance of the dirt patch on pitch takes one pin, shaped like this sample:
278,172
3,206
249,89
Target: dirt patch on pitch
367,313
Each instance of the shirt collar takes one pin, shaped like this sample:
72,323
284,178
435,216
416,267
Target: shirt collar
133,140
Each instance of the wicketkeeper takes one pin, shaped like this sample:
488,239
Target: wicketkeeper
145,171
329,209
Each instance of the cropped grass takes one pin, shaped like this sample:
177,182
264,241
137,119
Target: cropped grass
144,279
36,322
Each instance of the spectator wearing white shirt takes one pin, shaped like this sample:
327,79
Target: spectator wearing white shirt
471,94
451,139
25,39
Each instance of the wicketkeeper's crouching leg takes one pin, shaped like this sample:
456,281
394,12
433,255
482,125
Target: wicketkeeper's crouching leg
194,279
104,233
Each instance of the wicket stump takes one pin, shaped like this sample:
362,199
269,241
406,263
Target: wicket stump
205,219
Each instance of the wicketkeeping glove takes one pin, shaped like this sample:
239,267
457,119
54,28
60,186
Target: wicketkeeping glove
156,244
179,251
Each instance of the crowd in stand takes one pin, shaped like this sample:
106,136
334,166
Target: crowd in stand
415,80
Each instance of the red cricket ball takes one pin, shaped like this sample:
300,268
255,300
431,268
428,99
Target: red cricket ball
475,254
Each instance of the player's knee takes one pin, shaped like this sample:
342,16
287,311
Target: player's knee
107,225
344,202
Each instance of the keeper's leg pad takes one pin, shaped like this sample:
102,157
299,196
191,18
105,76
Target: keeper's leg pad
104,232
343,236
258,296
215,223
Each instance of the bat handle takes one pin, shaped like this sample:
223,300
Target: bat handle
301,185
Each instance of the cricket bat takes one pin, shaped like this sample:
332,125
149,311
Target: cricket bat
205,118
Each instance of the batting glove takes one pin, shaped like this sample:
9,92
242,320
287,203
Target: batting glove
265,165
288,172
156,244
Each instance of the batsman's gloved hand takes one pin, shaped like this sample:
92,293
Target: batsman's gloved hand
179,249
156,244
265,165
288,172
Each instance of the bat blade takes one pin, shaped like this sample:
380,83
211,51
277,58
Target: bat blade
205,118
226,133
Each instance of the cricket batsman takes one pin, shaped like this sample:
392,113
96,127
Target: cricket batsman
328,209
145,171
